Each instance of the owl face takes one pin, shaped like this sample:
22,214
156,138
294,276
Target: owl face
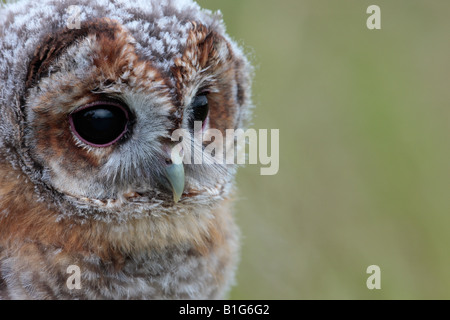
100,102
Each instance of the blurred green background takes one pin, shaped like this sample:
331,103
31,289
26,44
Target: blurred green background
364,121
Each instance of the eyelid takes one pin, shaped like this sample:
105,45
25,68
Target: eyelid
203,92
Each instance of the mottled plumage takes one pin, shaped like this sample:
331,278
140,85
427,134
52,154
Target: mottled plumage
110,209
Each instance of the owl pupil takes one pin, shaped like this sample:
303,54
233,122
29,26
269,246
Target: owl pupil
100,125
200,109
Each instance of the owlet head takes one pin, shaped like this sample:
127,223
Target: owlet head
92,93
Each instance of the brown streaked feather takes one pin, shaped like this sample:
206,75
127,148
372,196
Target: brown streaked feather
56,43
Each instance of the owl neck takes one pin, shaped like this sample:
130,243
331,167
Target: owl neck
27,214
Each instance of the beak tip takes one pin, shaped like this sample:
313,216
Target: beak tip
177,194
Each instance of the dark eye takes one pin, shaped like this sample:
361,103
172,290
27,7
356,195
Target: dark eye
200,109
100,124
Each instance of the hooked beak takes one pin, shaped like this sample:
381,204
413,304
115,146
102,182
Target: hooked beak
174,172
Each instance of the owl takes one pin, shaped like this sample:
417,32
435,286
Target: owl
94,202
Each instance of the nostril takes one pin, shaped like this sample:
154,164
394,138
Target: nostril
168,161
